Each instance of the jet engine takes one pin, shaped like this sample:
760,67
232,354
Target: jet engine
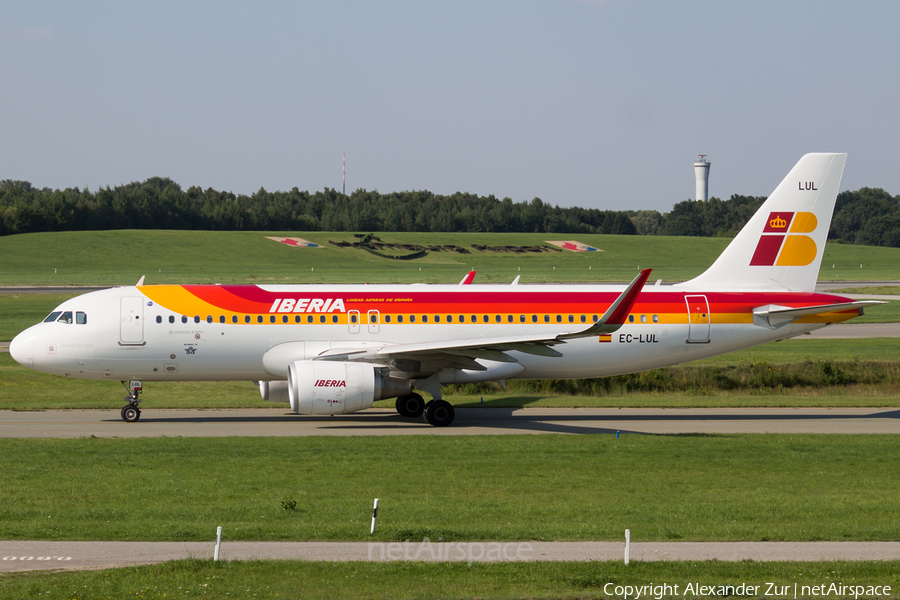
274,391
321,387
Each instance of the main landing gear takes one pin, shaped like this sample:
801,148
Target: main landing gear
439,413
130,412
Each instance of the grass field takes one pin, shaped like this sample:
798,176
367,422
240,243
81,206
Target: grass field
468,488
122,257
313,580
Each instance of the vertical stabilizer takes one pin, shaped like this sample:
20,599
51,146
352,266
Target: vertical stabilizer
781,246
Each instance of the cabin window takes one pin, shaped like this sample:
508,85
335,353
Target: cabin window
487,319
521,318
158,319
309,318
497,318
284,319
437,318
594,318
52,317
631,318
297,318
424,318
209,318
322,319
534,318
546,318
352,318
246,318
387,318
449,318
234,318
373,318
571,318
559,318
259,318
509,318
656,318
462,318
474,318
184,318
334,318
196,318
171,318
399,318
643,318
412,318
584,318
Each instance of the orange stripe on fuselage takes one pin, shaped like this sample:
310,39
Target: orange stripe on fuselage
670,307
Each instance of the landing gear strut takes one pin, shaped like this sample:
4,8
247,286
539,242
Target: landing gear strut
410,405
130,412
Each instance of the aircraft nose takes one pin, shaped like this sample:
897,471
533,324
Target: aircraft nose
21,350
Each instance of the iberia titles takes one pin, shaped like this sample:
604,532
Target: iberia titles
308,305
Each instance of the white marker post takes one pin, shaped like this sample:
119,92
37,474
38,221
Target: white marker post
218,543
627,545
374,515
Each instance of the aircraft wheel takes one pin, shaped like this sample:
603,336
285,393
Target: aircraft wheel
131,413
439,413
411,405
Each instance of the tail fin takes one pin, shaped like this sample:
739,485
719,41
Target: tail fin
781,246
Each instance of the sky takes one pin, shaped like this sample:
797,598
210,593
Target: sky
601,104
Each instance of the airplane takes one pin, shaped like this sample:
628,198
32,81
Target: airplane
335,349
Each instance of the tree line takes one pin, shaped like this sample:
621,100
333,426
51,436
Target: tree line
865,216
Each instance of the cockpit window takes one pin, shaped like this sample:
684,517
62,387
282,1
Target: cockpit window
66,317
52,316
80,318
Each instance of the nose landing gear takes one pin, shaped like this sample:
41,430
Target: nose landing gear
130,412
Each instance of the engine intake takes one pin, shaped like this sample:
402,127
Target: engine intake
320,387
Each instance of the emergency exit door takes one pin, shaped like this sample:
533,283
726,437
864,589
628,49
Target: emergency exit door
698,319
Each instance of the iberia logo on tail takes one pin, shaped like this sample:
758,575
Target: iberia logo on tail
782,243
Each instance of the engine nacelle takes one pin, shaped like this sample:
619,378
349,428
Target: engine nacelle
274,391
322,387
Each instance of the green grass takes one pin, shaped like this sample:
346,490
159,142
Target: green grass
517,487
20,311
884,290
122,257
314,580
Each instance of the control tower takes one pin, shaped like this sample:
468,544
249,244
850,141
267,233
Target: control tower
701,173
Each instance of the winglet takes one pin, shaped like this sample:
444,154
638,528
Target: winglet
615,315
140,281
469,278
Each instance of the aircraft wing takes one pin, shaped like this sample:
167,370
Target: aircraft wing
461,353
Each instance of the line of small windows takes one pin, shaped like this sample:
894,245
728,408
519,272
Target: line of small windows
249,319
354,318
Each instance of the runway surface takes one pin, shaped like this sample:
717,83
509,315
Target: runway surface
33,556
278,422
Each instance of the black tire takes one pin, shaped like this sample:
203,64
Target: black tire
411,405
439,413
131,413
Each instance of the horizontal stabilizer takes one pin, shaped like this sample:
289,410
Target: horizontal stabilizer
775,315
